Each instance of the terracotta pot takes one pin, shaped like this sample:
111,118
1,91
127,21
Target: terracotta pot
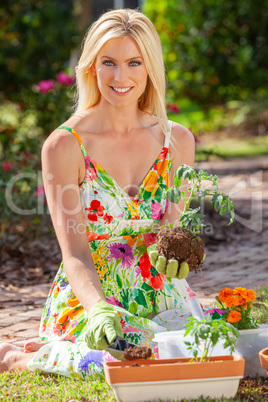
179,378
263,355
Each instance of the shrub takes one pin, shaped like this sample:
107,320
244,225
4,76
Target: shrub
213,50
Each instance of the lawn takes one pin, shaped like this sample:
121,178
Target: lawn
228,131
35,387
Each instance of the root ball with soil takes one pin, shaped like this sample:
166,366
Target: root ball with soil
176,243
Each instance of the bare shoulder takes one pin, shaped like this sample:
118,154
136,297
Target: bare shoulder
60,141
61,155
182,147
182,135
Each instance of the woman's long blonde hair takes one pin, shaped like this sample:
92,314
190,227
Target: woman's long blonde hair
116,24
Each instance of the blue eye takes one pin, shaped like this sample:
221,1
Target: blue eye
108,63
135,63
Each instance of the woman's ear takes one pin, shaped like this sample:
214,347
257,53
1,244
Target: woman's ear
92,70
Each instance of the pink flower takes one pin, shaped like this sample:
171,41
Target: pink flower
64,79
45,86
156,351
108,357
6,166
40,191
156,211
173,108
91,172
211,311
112,300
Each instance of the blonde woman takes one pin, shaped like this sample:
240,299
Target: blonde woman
105,170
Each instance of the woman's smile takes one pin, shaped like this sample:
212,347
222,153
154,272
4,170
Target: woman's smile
121,91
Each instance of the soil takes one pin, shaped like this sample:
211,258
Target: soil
138,352
253,389
182,245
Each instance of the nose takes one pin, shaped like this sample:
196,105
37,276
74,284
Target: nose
120,74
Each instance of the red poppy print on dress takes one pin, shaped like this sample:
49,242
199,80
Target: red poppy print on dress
95,210
149,272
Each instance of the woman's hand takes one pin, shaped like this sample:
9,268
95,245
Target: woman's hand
169,268
103,326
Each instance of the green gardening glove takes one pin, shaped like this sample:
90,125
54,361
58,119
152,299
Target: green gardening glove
103,325
170,268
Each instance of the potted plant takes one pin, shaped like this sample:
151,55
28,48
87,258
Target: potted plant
181,242
179,378
263,355
207,333
235,307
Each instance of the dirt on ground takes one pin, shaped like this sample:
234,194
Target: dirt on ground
253,389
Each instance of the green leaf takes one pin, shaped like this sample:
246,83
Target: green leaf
173,195
141,249
187,331
119,281
202,194
214,338
139,297
179,172
217,201
227,207
189,173
146,287
133,308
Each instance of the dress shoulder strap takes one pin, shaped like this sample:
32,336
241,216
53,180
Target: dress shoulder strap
168,135
73,132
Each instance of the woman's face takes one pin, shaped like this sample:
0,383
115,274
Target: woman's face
121,72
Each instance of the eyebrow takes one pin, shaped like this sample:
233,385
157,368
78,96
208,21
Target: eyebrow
132,58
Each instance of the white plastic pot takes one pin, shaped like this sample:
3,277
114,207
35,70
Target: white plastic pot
248,345
182,389
171,344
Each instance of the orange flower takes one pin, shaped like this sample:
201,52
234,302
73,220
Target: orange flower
151,181
251,295
226,296
240,291
234,316
132,239
238,301
248,295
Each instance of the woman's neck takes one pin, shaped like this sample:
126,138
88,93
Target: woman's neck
121,120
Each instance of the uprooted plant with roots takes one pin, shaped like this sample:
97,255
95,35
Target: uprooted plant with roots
179,249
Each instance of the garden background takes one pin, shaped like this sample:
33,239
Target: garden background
216,57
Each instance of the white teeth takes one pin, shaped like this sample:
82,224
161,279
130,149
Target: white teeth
121,89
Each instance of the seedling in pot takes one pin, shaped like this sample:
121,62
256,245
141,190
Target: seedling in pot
179,249
207,333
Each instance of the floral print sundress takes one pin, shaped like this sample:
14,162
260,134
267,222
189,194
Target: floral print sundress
119,229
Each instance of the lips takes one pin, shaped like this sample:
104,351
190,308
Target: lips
120,90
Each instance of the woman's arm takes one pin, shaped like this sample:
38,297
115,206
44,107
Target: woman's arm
182,152
61,157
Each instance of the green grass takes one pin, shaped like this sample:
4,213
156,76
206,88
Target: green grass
232,148
260,307
38,387
219,129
